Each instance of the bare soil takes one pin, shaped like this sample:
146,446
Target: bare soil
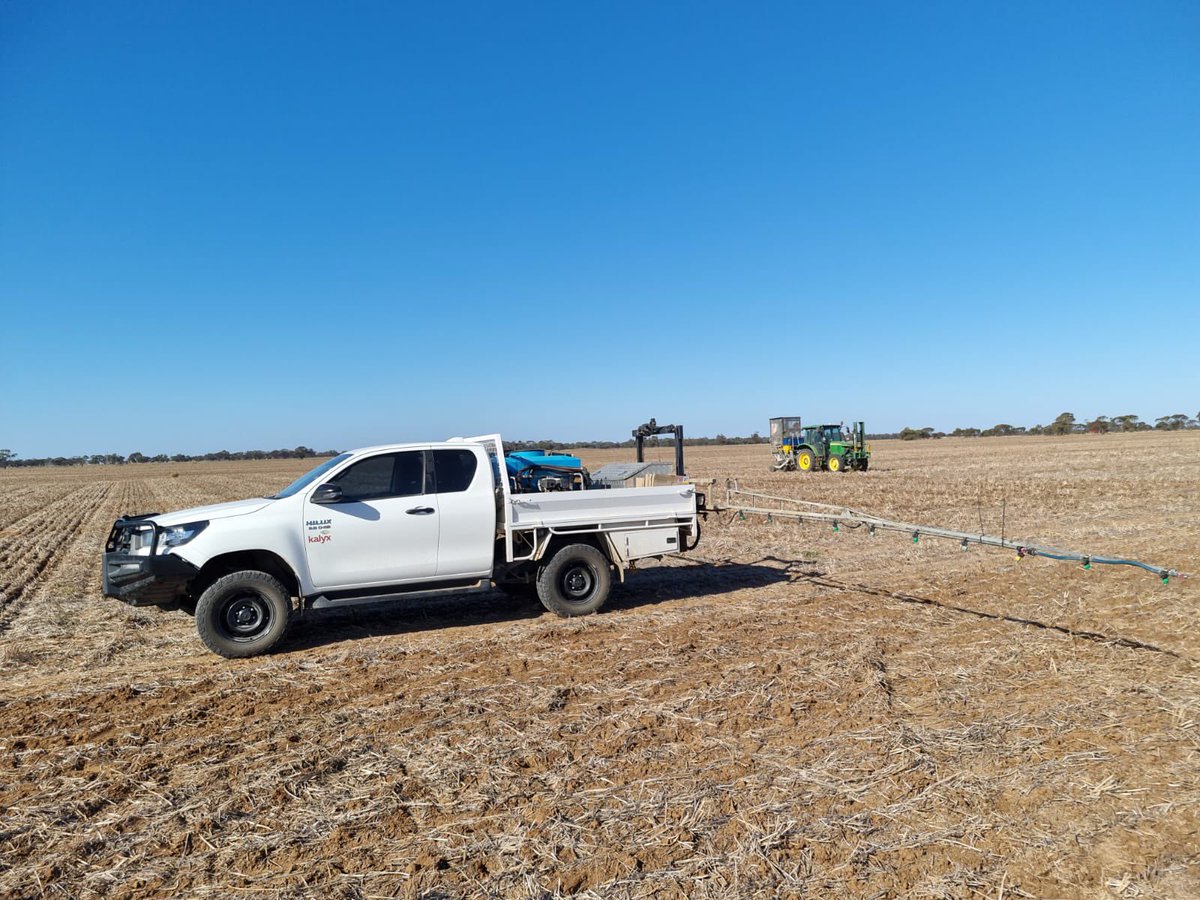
785,712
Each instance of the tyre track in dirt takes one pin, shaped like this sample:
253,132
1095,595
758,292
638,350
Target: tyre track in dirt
28,562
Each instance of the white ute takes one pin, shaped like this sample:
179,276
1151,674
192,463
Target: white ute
385,523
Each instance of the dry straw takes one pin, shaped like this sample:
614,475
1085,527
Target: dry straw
791,712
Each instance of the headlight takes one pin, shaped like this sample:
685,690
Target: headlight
177,535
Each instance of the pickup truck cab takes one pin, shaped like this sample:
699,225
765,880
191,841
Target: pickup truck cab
390,522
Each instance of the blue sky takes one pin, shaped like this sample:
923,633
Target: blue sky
231,225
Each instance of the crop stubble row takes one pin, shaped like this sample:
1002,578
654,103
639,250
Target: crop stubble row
35,544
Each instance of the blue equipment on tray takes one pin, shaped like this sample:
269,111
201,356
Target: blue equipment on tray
535,471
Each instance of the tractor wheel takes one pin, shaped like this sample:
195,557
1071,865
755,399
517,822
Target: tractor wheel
836,464
805,461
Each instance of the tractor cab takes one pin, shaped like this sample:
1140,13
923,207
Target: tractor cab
821,437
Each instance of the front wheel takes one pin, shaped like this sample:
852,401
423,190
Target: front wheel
243,614
836,464
575,582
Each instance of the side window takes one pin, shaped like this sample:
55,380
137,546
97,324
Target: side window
390,475
409,477
369,479
455,470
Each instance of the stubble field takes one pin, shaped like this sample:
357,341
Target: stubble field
787,711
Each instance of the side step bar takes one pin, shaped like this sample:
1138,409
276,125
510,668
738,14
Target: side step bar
339,599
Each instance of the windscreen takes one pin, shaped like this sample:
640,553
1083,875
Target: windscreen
308,478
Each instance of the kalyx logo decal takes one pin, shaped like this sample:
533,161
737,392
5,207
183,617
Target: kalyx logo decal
320,531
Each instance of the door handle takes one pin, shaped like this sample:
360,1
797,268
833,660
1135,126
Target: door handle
420,511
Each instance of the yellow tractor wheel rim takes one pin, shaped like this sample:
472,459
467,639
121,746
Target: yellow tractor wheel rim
834,465
805,461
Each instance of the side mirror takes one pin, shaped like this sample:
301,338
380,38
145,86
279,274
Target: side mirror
327,493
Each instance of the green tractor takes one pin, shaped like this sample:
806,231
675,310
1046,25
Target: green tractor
832,447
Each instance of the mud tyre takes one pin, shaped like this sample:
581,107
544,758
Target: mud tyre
243,614
575,582
836,464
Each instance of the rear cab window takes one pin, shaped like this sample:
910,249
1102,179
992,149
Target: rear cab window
454,469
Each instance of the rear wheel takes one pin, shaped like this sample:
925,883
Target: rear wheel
805,461
575,582
243,614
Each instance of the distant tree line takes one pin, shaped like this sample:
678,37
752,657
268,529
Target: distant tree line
1066,423
9,459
